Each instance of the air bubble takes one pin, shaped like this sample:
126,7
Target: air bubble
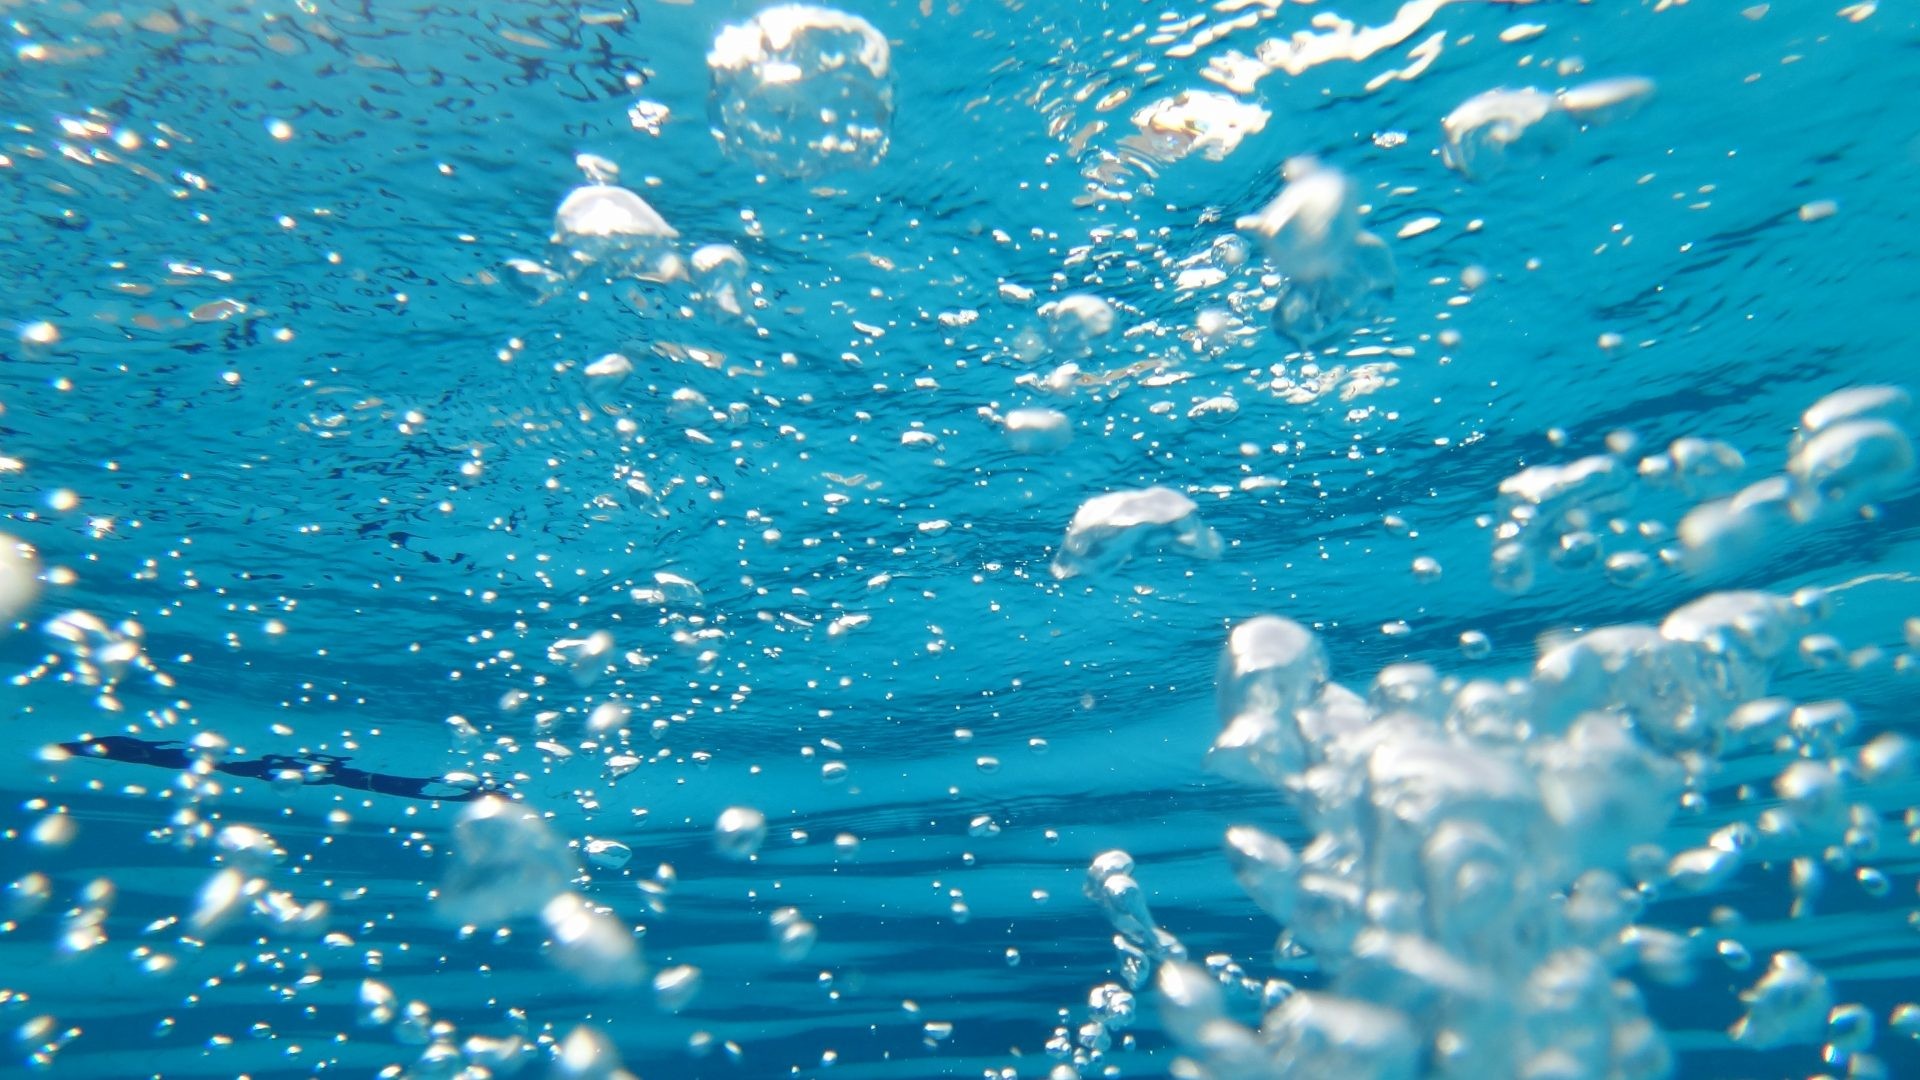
739,831
507,864
606,224
1502,129
1110,530
801,90
1333,270
1032,431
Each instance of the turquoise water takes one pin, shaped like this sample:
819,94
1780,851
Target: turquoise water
361,498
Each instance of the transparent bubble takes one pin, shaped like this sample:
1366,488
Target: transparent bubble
1271,665
739,831
1032,431
1075,322
612,367
1266,868
587,1054
1905,1019
1512,568
1475,645
1333,270
1500,128
1726,531
720,278
19,577
219,900
608,854
1788,1005
534,281
1607,100
793,935
377,1003
1890,403
507,864
1110,530
611,226
1703,868
1888,755
674,988
1629,569
1412,688
1125,905
1848,465
1706,467
802,91
591,943
585,658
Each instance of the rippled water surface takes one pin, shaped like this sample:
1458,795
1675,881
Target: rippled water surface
543,538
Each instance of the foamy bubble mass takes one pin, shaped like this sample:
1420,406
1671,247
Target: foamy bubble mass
1474,881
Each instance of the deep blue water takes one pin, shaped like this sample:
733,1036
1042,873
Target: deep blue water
276,392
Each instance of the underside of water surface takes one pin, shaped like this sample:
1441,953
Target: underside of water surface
1001,538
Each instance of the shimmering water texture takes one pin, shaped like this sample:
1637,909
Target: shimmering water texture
1358,539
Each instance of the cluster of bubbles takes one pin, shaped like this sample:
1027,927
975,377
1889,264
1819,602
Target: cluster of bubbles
584,1053
244,895
508,867
608,233
1851,450
799,91
1482,852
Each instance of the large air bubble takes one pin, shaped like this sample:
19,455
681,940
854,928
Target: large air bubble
800,91
611,226
1110,530
1334,271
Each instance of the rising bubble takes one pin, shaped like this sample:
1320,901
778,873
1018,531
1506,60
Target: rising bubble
801,90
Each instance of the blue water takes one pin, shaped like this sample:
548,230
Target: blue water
273,393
